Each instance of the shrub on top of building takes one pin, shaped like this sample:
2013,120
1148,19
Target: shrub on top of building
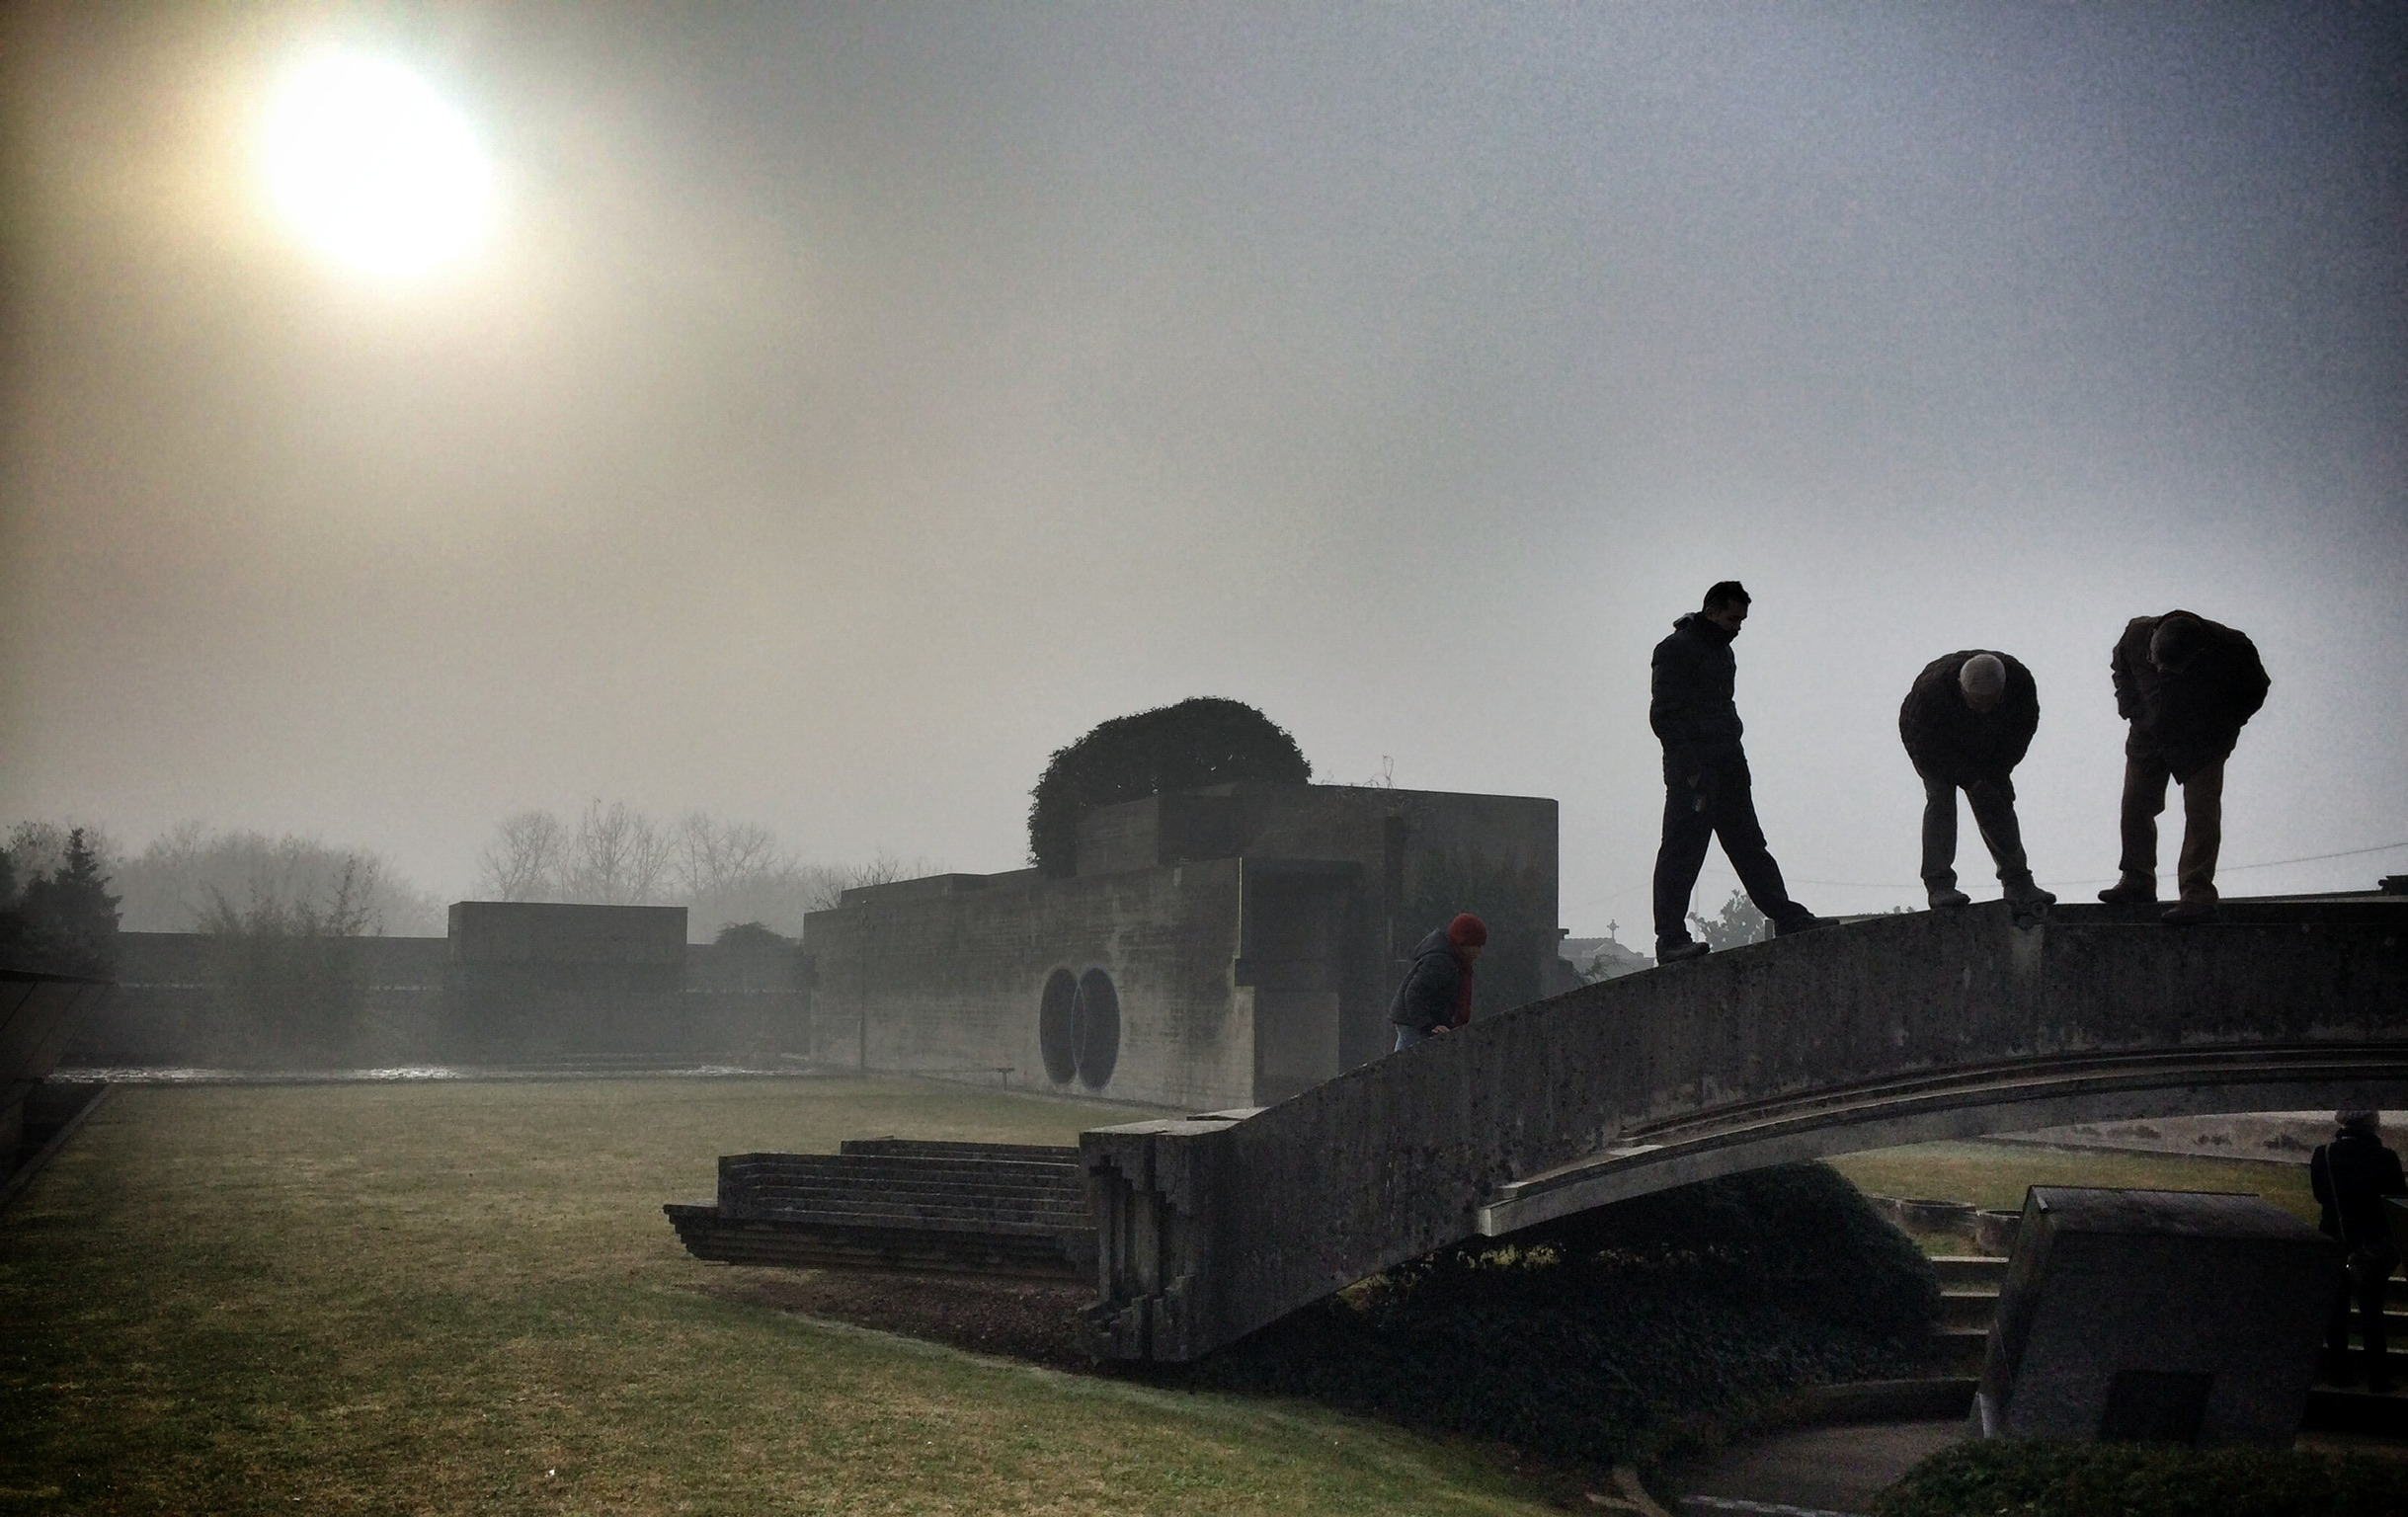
1205,741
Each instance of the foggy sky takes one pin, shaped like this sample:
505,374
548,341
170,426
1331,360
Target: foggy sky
858,403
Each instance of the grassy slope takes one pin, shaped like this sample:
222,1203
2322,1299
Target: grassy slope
464,1298
1995,1174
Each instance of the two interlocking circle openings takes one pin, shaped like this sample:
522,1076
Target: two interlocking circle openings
1079,1028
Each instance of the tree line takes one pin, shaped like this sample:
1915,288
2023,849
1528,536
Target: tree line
725,873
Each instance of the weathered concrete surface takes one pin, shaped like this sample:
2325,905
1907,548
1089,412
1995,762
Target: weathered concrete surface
1250,935
1889,1030
2159,1315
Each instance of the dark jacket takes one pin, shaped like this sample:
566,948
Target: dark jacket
1689,700
1432,988
1949,741
2190,717
2350,1175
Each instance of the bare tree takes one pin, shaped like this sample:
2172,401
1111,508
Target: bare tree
829,884
178,882
713,858
524,861
618,857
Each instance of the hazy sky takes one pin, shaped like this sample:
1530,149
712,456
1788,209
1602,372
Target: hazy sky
855,404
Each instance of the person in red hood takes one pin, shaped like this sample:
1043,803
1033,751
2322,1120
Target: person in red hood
1436,995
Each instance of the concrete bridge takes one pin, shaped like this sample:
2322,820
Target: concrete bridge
1884,1031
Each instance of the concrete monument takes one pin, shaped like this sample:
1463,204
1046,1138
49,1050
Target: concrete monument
2157,1315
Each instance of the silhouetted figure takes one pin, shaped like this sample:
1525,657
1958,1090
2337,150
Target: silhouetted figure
1706,790
2186,685
2350,1175
1966,722
1436,995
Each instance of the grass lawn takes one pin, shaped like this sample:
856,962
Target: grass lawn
1995,1174
440,1298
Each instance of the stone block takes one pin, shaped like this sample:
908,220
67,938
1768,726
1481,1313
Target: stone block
2157,1315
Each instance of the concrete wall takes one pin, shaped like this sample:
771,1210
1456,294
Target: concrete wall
1252,935
951,981
512,989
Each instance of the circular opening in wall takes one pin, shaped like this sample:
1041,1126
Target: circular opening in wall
1095,1028
1055,1015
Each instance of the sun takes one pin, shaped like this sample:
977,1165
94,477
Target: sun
371,166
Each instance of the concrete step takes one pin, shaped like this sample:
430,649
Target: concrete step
793,1192
1966,1270
952,1218
923,1147
897,1166
965,1202
707,1235
741,1187
1966,1306
915,1220
1002,1182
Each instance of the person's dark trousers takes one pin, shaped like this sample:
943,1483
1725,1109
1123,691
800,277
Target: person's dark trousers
1720,804
1407,1037
1993,813
2369,1270
2145,776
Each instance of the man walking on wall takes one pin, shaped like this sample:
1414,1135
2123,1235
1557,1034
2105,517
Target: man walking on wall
1966,722
2186,685
1707,789
1436,995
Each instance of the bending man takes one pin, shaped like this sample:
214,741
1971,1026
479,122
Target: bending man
1707,789
1966,722
2186,685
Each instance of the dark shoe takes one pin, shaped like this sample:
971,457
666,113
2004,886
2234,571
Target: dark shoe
2131,892
1680,953
2028,897
2188,913
1806,923
1949,900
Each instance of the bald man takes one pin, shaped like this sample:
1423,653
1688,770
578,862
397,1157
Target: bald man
1966,722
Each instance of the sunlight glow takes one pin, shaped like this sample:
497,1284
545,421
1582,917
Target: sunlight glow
370,164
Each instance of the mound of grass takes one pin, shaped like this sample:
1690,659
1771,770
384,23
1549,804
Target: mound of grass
2032,1478
1619,1335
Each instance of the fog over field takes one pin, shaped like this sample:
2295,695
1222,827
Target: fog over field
847,406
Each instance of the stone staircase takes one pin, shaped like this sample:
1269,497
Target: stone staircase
898,1204
1968,1297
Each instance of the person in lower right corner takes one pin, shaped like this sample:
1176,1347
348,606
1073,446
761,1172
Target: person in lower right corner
1436,995
1966,722
2350,1175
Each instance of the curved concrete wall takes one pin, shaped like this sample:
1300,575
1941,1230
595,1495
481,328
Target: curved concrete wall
1212,1229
